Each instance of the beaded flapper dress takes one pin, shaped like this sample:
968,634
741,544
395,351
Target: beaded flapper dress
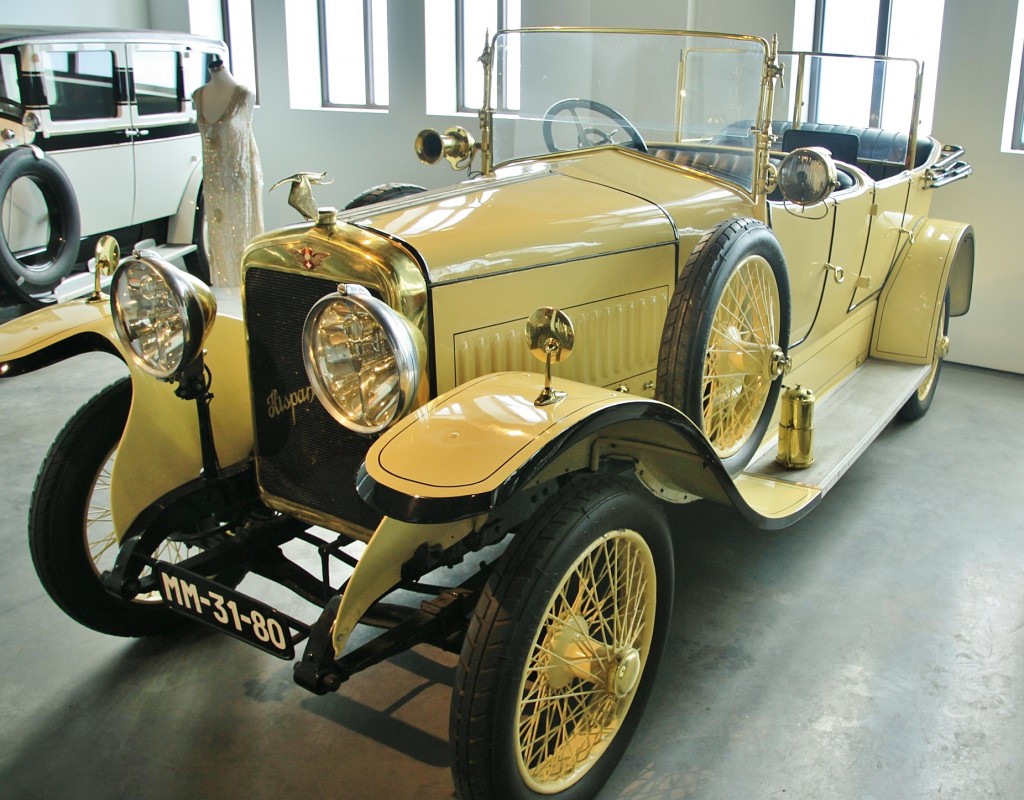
232,184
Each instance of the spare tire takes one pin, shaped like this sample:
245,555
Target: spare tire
725,337
38,271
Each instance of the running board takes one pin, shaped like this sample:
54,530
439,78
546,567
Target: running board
846,421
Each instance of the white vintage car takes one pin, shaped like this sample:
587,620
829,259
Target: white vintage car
97,135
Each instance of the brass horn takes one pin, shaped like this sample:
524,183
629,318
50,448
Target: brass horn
455,144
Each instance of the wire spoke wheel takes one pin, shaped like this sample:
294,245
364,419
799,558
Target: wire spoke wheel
586,661
726,333
739,361
561,650
101,540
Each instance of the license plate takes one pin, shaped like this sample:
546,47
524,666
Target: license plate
227,610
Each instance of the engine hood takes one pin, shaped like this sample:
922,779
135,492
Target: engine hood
531,214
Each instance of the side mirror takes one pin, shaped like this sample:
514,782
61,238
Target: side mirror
551,337
108,256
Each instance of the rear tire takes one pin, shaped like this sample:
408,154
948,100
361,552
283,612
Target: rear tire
921,400
562,649
198,262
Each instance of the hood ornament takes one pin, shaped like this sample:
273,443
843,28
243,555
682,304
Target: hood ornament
300,197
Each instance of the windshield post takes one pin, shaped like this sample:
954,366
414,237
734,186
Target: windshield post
772,72
486,114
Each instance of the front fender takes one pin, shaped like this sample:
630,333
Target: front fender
54,333
443,471
159,450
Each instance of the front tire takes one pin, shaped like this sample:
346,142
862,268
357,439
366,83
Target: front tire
725,337
562,649
71,535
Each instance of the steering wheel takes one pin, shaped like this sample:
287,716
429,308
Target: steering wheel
589,137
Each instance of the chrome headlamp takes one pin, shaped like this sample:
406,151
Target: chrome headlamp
808,176
363,359
161,314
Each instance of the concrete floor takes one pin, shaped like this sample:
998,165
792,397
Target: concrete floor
874,650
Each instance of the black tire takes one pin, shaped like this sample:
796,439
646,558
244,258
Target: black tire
725,377
921,400
507,671
38,273
198,262
65,552
382,193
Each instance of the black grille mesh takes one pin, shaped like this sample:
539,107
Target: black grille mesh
303,455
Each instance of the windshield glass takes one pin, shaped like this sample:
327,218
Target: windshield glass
563,90
841,95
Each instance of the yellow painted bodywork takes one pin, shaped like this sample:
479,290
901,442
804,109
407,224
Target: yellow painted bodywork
159,450
33,332
910,308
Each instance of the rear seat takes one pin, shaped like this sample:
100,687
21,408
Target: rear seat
881,154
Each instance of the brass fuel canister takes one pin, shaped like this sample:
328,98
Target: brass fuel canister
796,428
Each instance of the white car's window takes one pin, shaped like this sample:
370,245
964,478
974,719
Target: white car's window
155,74
10,93
80,85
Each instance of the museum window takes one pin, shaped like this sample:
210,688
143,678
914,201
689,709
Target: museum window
338,53
898,28
456,34
231,22
1013,124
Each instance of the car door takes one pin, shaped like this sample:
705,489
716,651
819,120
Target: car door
166,140
84,125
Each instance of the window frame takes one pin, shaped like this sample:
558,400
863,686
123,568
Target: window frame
881,49
1017,132
229,39
462,105
371,101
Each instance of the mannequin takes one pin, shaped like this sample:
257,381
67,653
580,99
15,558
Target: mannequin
232,175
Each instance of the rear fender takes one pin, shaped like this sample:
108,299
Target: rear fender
181,226
909,309
464,457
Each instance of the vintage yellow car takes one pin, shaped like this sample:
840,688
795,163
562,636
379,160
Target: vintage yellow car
681,266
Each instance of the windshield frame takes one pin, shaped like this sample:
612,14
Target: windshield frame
748,46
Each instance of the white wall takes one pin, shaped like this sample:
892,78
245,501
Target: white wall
977,40
91,14
361,149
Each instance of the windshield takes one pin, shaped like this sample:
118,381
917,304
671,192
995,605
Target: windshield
863,95
565,89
